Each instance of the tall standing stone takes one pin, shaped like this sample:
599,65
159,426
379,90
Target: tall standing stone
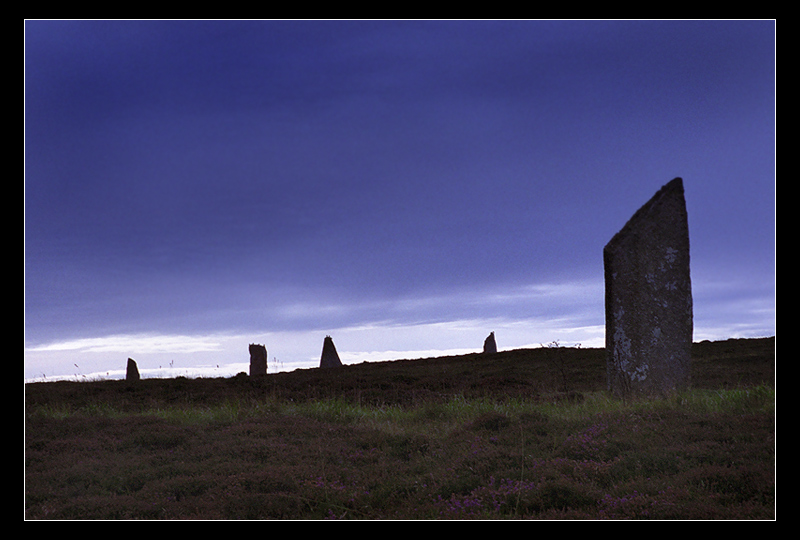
329,358
258,360
648,299
489,345
131,371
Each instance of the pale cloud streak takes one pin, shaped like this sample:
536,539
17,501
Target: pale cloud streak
374,330
143,343
524,316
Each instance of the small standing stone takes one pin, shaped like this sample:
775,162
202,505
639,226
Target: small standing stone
132,372
648,299
258,360
329,358
490,345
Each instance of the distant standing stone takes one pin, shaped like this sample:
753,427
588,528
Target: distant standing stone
648,299
489,345
132,372
330,358
258,360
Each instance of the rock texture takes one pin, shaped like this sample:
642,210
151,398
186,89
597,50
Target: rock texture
648,299
489,345
258,360
330,358
132,371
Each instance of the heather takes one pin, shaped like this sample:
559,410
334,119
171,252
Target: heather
527,434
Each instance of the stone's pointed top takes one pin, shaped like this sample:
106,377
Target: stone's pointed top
490,345
670,194
676,184
329,358
132,372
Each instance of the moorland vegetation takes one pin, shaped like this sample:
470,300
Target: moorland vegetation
523,434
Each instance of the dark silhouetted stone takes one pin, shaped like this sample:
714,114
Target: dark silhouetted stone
330,358
258,360
132,372
489,345
648,299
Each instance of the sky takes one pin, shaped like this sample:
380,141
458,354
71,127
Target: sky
407,187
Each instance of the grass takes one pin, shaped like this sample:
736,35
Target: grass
430,445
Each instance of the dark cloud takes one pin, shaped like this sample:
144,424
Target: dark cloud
373,159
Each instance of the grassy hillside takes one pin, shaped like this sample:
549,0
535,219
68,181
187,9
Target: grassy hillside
518,434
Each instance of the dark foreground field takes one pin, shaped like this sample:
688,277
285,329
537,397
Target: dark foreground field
519,434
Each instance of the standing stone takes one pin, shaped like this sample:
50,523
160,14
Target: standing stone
131,372
258,360
648,299
330,358
490,345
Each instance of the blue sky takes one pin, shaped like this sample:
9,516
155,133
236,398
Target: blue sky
406,187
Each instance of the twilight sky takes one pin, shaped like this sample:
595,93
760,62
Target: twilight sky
406,187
